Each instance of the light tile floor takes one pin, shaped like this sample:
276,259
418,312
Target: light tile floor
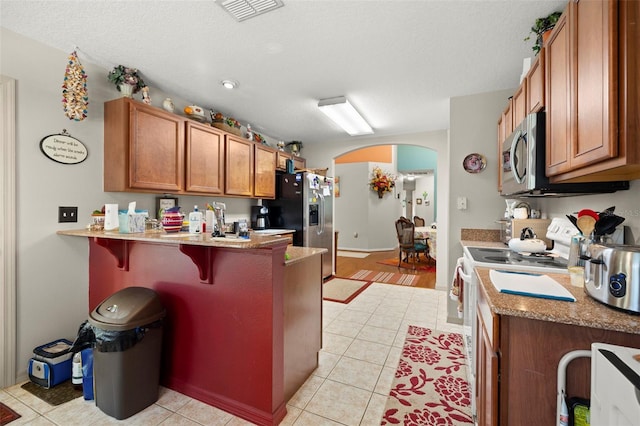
362,341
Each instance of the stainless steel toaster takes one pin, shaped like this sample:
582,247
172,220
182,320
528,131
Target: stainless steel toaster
612,275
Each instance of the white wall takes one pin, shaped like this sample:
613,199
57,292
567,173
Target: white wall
473,121
362,218
424,183
52,270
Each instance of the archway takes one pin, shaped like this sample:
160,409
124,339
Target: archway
324,154
366,216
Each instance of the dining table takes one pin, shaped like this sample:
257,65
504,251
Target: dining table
428,234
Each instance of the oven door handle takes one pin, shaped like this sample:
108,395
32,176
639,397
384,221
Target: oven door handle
466,278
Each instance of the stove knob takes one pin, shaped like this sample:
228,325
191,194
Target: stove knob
618,285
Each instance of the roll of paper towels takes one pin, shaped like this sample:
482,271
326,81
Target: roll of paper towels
111,217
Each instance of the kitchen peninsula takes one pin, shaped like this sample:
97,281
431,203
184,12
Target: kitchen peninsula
243,326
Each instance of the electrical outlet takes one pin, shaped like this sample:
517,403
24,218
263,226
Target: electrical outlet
67,214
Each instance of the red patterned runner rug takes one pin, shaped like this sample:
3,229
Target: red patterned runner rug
430,385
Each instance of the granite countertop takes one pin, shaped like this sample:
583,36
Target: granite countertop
296,254
585,311
255,240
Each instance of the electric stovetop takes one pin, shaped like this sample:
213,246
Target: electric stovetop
505,256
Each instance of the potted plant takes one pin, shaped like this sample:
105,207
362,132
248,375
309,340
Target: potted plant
126,80
295,147
541,26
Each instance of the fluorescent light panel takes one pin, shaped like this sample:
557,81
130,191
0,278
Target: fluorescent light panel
345,115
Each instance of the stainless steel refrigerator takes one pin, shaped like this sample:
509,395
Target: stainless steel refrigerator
304,202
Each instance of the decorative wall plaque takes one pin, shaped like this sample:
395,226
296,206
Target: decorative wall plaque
63,148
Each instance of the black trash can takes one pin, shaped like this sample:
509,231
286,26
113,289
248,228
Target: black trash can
126,356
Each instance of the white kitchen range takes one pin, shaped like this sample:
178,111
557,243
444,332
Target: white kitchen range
537,261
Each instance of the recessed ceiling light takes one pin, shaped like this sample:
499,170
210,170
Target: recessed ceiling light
229,84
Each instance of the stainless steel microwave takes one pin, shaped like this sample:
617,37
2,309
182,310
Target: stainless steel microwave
523,166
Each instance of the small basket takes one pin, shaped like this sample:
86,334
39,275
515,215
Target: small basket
223,126
320,172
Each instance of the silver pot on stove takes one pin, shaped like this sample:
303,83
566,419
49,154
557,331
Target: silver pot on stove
612,275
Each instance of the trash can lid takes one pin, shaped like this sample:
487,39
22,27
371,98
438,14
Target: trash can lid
128,308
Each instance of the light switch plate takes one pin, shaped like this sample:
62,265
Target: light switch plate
462,203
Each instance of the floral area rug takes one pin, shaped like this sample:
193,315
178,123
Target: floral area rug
430,386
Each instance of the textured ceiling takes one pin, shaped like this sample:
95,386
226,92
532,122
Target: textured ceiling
398,61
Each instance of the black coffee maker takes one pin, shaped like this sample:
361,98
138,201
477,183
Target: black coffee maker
259,217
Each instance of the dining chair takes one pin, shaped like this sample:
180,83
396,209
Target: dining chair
405,231
418,221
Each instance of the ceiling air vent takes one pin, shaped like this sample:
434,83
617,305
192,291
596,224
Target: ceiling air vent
245,9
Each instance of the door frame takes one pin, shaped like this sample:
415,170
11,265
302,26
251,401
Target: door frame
8,232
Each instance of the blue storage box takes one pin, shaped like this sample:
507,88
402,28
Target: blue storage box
51,363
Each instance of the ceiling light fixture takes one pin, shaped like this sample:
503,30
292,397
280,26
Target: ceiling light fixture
229,84
345,115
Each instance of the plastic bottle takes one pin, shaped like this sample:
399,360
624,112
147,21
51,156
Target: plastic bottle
76,371
563,420
195,221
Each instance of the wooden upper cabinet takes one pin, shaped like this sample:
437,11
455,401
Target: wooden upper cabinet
593,117
143,148
507,118
558,86
519,104
281,160
594,24
535,84
239,169
264,173
204,159
299,163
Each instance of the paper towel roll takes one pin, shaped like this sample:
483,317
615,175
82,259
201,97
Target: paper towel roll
111,217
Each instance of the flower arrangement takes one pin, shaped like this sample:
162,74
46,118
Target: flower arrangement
124,75
381,182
